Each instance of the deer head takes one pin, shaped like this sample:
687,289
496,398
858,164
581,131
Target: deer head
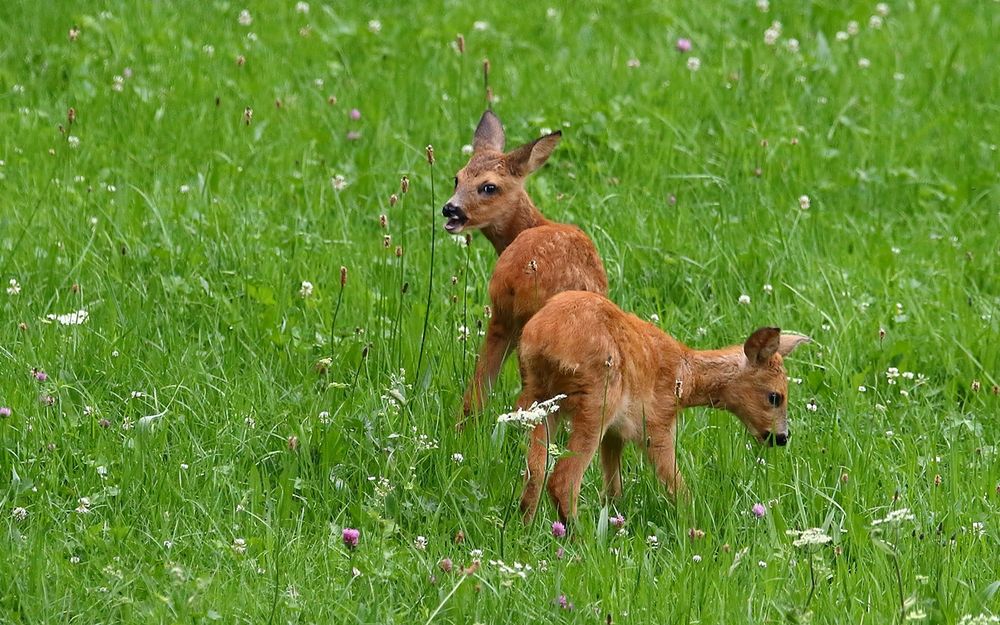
489,190
754,385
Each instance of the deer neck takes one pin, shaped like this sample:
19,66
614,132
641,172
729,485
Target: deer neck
704,375
524,216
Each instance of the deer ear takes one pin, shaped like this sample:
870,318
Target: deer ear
531,156
489,134
790,341
762,344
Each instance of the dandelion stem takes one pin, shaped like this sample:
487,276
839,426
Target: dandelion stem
336,312
430,277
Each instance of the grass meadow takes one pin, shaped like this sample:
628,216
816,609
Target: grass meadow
191,448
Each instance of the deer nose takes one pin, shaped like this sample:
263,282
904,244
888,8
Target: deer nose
450,210
780,439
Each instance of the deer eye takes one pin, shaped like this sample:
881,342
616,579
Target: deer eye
774,399
488,189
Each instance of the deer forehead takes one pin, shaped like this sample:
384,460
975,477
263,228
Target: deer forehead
481,165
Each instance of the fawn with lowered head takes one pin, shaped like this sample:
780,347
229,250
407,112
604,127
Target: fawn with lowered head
537,257
627,380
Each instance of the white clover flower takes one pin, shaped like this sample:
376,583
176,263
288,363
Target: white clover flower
534,415
882,9
102,471
763,6
185,188
208,49
744,299
853,28
306,290
811,536
19,514
655,318
768,289
762,564
457,458
696,558
862,389
480,25
375,26
14,288
84,506
841,36
694,64
245,18
804,202
338,182
476,554
73,141
633,63
771,35
864,63
420,543
792,45
467,149
239,545
653,541
875,22
302,7
70,319
895,517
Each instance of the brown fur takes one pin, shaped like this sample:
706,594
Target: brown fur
627,380
537,257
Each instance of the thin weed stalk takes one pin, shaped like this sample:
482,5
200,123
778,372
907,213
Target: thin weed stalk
430,272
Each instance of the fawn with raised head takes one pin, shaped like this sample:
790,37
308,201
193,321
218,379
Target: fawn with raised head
537,258
627,380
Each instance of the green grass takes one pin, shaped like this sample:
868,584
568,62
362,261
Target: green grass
194,302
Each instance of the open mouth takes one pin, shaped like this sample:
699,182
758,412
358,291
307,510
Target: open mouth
456,218
455,223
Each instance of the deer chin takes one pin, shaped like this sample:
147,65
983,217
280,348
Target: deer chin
456,224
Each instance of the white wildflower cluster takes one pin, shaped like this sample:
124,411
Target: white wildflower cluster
84,506
19,514
13,287
306,290
808,537
239,545
895,517
70,319
382,486
511,572
772,34
978,619
425,443
420,543
534,415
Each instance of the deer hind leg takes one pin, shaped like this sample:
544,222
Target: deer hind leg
538,458
564,485
611,464
661,447
500,341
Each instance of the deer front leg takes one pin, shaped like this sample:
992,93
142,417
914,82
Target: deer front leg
499,342
662,451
